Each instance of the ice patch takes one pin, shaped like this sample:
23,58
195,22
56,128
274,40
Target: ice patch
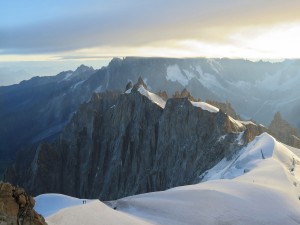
128,91
174,74
207,80
205,106
153,97
246,122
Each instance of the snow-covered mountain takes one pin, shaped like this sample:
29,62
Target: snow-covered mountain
260,184
38,109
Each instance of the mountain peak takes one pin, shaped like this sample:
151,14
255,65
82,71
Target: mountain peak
129,85
140,83
283,131
82,68
185,94
277,116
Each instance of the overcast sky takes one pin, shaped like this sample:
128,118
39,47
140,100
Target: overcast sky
73,29
45,37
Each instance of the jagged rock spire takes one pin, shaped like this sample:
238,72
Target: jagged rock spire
83,68
277,116
140,83
185,94
284,132
128,85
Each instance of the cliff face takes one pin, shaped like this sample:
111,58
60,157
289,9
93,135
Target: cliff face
38,109
123,144
284,132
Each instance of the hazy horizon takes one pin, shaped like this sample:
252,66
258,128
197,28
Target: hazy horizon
15,72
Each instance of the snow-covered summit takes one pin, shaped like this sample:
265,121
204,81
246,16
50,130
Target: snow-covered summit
82,71
142,89
153,97
83,68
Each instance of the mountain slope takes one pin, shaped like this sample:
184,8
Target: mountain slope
248,189
38,109
253,190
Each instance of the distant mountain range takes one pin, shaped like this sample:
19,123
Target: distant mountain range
37,110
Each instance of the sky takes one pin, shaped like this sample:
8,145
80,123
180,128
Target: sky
97,30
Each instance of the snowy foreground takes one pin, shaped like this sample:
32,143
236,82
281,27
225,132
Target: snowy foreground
259,185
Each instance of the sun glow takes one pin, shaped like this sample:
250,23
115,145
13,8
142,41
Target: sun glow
277,42
254,43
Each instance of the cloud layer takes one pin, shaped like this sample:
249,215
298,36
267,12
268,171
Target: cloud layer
55,27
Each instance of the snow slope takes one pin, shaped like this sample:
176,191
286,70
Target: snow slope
153,97
94,212
247,190
259,185
48,204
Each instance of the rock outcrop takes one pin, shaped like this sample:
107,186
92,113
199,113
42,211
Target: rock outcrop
284,132
225,107
123,144
252,131
16,207
185,94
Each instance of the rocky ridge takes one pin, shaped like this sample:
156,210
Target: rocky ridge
16,207
123,144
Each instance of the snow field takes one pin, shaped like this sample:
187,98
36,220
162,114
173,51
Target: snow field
259,185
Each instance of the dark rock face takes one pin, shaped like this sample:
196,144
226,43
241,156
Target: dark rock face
39,108
123,144
16,207
284,132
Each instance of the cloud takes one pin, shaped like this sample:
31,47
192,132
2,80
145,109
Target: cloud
142,23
